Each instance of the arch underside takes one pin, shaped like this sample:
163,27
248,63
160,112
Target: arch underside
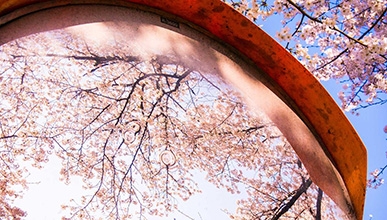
305,114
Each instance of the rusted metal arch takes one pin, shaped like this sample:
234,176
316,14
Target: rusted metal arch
289,79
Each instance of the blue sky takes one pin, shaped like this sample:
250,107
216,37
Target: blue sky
369,125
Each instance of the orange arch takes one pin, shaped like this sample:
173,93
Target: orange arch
292,82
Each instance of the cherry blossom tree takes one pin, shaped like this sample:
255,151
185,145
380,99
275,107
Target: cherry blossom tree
341,40
135,129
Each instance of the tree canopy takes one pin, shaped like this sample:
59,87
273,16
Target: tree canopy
341,40
135,129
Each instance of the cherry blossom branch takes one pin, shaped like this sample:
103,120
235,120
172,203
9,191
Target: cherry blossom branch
380,102
98,60
99,114
358,40
318,204
299,8
357,92
296,30
332,60
374,24
145,76
375,181
84,208
380,172
302,189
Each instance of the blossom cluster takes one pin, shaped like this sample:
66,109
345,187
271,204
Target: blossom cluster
347,41
341,40
114,118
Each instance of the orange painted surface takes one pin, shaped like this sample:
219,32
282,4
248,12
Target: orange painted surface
7,6
339,137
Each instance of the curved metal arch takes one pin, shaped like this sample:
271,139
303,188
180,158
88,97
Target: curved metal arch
340,149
